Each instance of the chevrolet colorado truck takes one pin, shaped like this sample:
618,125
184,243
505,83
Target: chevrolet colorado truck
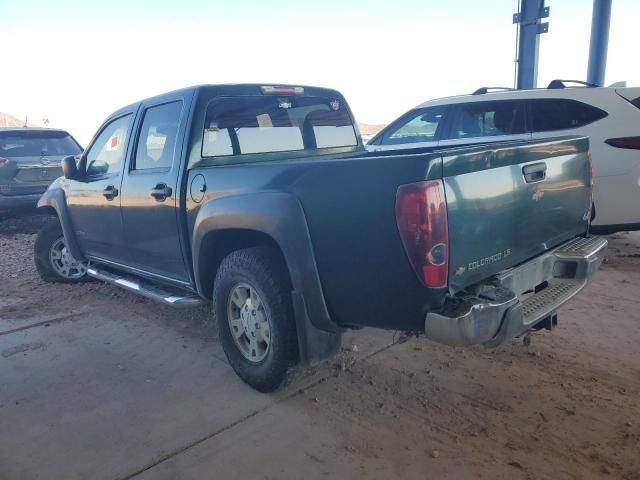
262,200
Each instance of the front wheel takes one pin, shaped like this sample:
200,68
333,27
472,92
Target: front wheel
53,259
252,308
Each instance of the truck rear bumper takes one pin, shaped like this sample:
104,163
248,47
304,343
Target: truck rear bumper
519,298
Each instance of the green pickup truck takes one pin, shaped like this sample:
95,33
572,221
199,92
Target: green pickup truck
262,200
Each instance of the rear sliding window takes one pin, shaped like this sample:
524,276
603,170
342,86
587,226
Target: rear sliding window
37,144
252,125
562,114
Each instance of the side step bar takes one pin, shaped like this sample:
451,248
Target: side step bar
146,290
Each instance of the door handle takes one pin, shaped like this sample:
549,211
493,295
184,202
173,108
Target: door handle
535,172
110,192
161,191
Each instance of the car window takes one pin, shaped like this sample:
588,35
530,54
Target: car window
249,125
158,135
419,126
37,144
487,119
107,152
560,114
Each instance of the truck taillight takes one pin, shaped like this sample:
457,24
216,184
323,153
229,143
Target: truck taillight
3,161
421,215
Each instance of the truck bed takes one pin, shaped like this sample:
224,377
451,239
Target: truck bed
497,220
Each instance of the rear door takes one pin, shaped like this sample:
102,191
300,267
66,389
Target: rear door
487,121
416,129
150,191
510,203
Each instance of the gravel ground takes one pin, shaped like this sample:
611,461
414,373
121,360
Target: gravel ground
565,407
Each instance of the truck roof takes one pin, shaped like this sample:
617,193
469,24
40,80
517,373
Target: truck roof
230,89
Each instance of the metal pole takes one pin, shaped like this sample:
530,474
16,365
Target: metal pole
598,46
528,18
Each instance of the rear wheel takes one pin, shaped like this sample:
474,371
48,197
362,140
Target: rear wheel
252,308
53,259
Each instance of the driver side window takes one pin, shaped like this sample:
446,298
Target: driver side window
106,155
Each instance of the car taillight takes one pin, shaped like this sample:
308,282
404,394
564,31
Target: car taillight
421,215
3,161
624,142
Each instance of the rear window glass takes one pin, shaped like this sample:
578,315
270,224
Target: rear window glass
561,114
158,135
250,125
488,119
37,144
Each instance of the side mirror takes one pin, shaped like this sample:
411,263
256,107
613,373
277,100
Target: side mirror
69,167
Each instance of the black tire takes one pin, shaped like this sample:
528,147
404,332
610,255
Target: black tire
261,268
48,235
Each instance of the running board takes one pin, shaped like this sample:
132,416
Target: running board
146,290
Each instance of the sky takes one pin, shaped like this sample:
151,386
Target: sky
76,61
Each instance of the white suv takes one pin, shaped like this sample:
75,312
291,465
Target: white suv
609,116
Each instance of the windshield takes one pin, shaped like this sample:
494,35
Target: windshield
37,144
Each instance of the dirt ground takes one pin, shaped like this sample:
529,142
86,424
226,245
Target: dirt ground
97,383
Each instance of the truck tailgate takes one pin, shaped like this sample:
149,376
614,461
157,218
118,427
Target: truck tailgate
510,202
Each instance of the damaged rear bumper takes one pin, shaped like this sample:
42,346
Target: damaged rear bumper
510,307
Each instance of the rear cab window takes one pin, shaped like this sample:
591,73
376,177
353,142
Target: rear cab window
245,127
561,114
37,144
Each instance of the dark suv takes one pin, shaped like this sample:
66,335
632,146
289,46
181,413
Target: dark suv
29,162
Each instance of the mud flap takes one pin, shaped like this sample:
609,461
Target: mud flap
314,345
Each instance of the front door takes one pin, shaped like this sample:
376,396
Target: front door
94,199
150,192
